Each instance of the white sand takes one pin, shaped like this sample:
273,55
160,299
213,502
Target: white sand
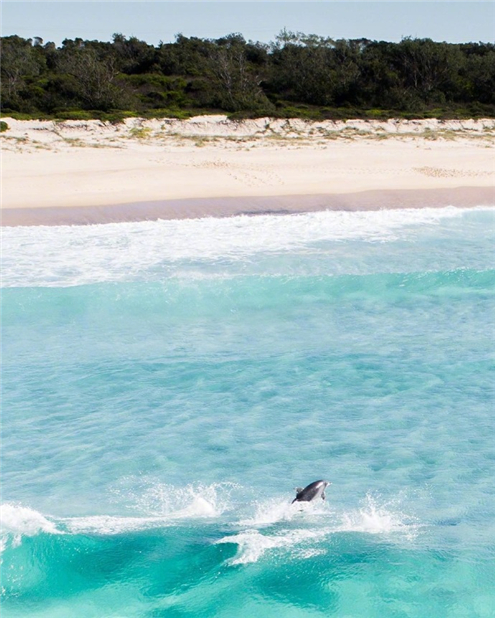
89,163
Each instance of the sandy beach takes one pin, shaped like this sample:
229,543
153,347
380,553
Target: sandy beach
76,172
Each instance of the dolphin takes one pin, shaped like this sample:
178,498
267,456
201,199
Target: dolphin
311,492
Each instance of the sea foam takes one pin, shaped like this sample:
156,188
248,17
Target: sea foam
277,525
77,255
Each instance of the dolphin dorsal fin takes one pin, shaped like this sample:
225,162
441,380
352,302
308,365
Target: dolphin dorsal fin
298,489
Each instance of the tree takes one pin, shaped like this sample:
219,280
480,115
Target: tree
20,64
296,72
237,80
96,77
426,66
302,68
132,56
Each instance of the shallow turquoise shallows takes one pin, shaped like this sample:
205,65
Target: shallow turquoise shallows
166,385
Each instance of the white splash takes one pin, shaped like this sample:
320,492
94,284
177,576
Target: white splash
17,521
374,518
163,506
194,500
76,255
276,510
320,522
271,525
252,544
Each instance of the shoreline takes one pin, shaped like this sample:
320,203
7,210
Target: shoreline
88,172
221,207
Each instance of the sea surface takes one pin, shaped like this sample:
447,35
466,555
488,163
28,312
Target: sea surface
167,384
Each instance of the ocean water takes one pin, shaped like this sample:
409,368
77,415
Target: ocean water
166,385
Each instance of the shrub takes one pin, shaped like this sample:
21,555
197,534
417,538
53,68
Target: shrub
176,114
140,132
33,116
378,114
259,113
116,117
74,115
305,112
3,126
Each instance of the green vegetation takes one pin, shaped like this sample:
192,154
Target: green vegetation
140,132
297,76
3,126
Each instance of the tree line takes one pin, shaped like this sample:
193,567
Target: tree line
297,75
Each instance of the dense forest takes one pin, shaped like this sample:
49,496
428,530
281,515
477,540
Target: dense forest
295,76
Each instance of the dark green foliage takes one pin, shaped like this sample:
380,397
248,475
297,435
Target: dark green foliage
304,76
155,91
3,126
76,114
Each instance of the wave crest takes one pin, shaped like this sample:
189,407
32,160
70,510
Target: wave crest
80,255
320,521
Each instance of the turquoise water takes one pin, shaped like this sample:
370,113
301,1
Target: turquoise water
166,385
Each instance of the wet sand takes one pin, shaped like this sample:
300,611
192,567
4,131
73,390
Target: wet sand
194,208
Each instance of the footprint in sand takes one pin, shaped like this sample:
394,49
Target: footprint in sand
438,172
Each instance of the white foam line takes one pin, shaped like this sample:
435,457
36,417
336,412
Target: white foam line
252,544
76,255
108,525
319,521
